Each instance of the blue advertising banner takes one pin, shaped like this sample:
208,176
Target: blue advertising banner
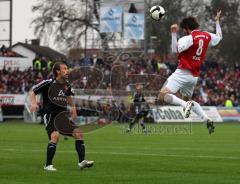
111,19
134,26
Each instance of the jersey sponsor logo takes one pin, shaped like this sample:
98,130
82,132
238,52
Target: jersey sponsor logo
57,94
61,93
59,99
61,96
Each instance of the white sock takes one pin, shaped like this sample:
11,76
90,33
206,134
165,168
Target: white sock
174,100
199,111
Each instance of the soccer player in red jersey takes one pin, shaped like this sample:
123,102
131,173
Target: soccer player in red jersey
191,50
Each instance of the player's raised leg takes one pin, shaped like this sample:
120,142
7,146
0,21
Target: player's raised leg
173,84
199,111
195,107
166,94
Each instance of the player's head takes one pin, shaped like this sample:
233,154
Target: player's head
60,70
139,87
189,24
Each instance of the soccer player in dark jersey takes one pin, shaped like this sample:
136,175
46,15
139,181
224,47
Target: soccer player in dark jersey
140,108
56,95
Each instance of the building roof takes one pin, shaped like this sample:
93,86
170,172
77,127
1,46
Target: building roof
42,51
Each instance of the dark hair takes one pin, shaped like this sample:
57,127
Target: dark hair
189,23
56,67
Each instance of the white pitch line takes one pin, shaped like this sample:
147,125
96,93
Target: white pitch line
130,154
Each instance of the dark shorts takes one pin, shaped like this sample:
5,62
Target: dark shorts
142,114
59,122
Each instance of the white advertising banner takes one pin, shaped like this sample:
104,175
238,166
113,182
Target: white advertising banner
175,114
15,62
110,19
134,26
9,99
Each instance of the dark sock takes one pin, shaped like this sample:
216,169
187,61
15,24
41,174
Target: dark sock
80,147
131,125
142,124
51,149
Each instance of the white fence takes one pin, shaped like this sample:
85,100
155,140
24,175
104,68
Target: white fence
159,113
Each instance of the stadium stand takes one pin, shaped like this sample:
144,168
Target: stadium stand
219,82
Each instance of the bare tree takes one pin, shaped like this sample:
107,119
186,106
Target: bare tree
228,50
67,21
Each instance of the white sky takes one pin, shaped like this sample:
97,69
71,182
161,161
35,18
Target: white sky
22,17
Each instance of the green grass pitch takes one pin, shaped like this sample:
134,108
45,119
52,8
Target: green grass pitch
123,158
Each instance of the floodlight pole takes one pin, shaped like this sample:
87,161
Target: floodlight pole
11,22
145,28
85,41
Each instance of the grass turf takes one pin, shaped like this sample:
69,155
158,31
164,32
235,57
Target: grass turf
122,158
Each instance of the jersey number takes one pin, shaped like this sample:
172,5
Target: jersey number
200,47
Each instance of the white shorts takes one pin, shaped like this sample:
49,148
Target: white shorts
183,81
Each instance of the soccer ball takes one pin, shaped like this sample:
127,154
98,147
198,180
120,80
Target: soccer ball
157,12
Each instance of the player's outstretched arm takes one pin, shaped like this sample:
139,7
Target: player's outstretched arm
216,38
218,28
217,18
174,30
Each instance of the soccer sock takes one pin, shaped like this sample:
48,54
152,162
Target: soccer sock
51,149
142,124
199,111
80,147
131,125
174,100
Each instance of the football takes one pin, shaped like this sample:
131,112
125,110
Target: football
157,12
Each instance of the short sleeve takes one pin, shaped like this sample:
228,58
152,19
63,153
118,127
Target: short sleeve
37,89
184,43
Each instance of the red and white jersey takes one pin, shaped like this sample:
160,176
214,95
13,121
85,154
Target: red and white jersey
192,58
192,48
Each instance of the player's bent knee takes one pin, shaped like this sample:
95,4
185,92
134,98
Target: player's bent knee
54,137
77,134
186,98
161,96
162,93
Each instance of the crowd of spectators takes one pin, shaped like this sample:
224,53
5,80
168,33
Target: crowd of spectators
20,82
217,83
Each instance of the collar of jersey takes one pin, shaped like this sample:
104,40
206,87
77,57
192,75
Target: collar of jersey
195,30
